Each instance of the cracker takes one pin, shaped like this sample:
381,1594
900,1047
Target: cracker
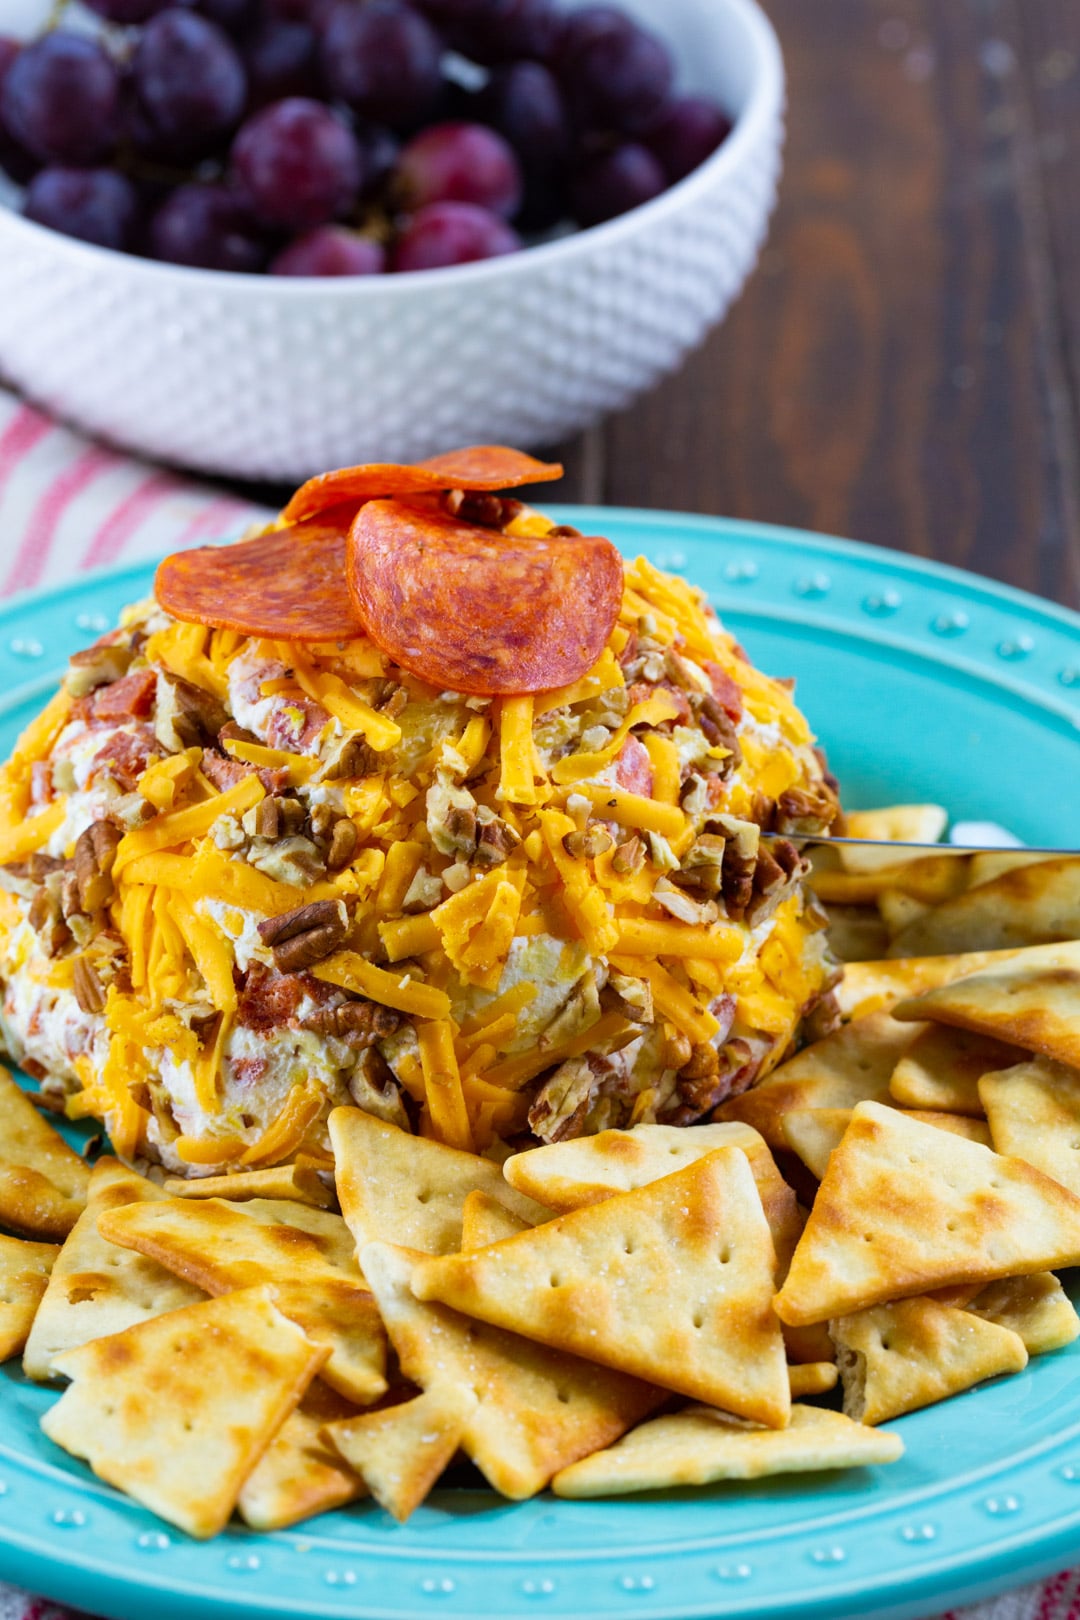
847,1067
42,1181
897,911
1032,1001
672,1283
300,1182
397,1188
402,1451
24,1276
177,1411
897,1358
812,1378
942,1069
899,823
570,1175
1033,904
1034,1112
538,1410
219,1247
1036,1307
97,1289
812,1133
930,878
484,1220
892,1181
700,1446
300,1474
869,987
857,933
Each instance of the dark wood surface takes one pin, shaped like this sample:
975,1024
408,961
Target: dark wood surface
904,365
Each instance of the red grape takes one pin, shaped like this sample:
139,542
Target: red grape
96,205
206,227
282,59
460,163
615,74
330,250
384,60
60,99
297,164
507,29
690,131
190,82
14,160
232,15
447,233
128,11
524,103
615,182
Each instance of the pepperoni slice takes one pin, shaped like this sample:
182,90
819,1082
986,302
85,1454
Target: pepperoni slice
480,466
287,584
473,610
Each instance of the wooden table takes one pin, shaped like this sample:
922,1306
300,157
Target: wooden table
904,365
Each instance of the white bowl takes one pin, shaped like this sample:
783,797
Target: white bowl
268,377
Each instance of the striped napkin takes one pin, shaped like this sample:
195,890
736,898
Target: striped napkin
67,504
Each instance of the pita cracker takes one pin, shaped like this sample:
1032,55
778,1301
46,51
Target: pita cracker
898,1358
401,1452
812,1378
219,1247
812,1133
484,1220
672,1283
857,933
178,1410
1032,1001
929,878
97,1289
893,1180
991,863
1034,1112
331,1236
847,1067
900,823
1035,904
897,911
699,1446
975,1130
942,1069
300,1474
300,1182
42,1181
869,987
1036,1307
403,1189
570,1175
537,1410
24,1276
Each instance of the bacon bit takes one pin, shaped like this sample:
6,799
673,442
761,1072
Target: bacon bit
647,689
633,768
125,755
270,1000
296,725
248,1071
728,693
41,786
131,698
225,773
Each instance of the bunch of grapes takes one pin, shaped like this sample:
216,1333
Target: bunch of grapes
342,137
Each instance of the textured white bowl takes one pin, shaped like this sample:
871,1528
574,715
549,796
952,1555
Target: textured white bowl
267,377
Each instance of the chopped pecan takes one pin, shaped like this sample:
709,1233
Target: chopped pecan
295,861
679,904
495,842
702,1064
279,816
354,758
702,866
631,998
424,892
740,858
799,811
358,1023
461,826
737,1063
47,920
89,990
373,1088
185,715
778,864
719,729
233,732
305,935
342,845
595,840
629,857
96,666
675,1048
95,852
824,1017
694,794
566,530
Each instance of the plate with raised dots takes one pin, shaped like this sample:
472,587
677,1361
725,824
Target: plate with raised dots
923,683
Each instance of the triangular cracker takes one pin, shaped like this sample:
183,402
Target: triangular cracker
24,1276
42,1181
869,987
1032,1001
672,1283
857,933
397,1188
942,1069
219,1247
569,1175
1036,1307
300,1181
1034,1112
538,1410
905,1208
300,1474
484,1220
897,1358
401,1452
1031,905
932,878
812,1133
852,1064
812,1378
700,1446
97,1289
178,1410
899,823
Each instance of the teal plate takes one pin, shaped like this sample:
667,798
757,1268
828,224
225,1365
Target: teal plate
924,683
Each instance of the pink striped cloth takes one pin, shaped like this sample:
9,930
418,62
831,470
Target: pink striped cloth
67,504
